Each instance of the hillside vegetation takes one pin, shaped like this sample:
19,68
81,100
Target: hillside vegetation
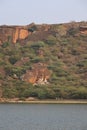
61,48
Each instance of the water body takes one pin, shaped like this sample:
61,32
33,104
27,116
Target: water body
43,117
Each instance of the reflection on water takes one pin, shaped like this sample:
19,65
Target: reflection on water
43,117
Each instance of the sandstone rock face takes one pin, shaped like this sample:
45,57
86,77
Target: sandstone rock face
35,32
13,33
19,34
39,74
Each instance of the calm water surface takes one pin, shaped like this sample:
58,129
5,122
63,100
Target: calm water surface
43,117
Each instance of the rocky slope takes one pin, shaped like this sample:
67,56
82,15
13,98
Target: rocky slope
38,32
53,56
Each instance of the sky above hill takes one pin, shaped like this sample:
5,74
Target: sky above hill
23,12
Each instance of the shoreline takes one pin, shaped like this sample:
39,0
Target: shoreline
36,101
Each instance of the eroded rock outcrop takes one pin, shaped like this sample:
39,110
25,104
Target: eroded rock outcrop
12,33
34,32
39,74
15,33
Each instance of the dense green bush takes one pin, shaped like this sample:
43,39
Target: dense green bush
72,31
13,59
32,29
51,40
6,44
37,45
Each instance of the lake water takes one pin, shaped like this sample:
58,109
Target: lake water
43,117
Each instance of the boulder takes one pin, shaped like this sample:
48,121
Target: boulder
39,74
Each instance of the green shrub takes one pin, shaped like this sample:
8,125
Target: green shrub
72,31
37,45
5,44
13,59
51,40
32,29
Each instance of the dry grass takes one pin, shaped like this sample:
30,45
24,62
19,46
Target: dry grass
46,101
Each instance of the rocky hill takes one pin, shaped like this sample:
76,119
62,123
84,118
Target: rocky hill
44,61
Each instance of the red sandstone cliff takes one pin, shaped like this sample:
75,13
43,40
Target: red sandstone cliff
12,33
35,32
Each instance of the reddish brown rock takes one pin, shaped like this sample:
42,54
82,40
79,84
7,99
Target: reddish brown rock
39,74
13,33
19,34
